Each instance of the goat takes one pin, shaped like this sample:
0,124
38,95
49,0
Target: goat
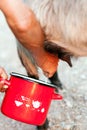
64,23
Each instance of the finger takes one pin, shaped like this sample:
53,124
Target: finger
3,73
3,88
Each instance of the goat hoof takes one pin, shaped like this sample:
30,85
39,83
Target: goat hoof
45,126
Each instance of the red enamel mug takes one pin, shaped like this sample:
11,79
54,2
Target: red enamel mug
27,99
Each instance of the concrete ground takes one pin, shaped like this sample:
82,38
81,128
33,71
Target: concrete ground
68,114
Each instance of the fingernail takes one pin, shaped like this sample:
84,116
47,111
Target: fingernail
5,86
4,76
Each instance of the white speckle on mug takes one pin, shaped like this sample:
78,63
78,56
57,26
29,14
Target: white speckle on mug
25,98
27,105
36,104
18,103
42,110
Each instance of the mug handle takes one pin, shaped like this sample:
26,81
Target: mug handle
57,96
6,82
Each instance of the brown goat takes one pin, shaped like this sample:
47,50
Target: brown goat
64,23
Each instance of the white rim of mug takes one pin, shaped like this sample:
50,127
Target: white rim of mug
32,79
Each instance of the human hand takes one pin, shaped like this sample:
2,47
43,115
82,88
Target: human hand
3,75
